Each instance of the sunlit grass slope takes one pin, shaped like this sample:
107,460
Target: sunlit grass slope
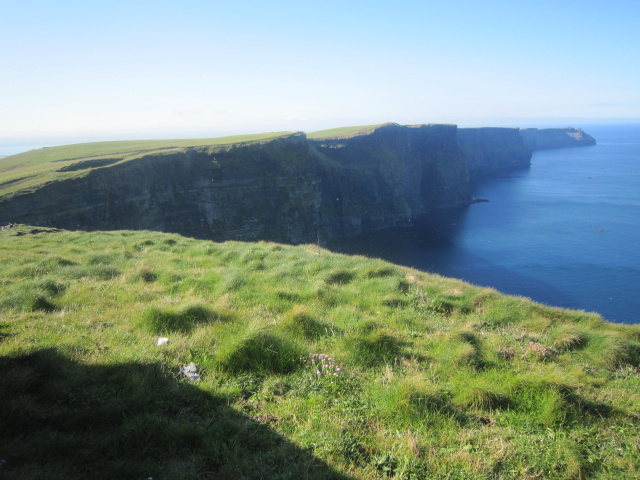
29,170
344,132
311,364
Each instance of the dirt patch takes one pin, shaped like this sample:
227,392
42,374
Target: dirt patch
454,292
411,278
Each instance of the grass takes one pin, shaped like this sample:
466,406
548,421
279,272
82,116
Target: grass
344,132
311,364
30,170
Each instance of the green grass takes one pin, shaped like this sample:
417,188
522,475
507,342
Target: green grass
433,381
30,170
344,132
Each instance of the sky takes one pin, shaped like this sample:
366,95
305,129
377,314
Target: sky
76,71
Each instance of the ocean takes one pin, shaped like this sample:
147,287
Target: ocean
564,232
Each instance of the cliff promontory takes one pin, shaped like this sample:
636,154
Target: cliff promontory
547,138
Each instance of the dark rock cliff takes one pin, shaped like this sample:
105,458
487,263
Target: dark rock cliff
388,177
542,139
267,190
488,151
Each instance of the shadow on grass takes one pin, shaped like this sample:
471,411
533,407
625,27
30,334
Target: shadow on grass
61,419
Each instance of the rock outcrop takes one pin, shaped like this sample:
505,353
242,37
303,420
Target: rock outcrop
489,151
543,139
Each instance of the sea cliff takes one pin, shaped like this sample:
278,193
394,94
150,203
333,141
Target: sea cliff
388,176
489,151
285,188
259,191
548,138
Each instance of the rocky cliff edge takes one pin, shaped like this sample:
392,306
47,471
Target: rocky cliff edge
287,188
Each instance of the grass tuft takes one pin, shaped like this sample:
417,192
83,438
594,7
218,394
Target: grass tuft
260,351
146,275
485,399
621,353
567,338
160,321
300,321
339,277
380,272
379,346
40,303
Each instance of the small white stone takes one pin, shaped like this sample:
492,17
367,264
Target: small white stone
162,341
190,371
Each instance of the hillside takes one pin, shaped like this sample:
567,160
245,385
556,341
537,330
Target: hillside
310,364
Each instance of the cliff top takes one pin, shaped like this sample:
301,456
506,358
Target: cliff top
95,149
30,170
346,132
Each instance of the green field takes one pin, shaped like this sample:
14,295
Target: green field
30,170
311,365
344,132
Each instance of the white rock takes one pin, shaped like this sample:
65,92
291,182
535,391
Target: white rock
190,371
162,341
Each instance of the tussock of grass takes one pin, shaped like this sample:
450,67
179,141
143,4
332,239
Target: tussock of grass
159,321
377,347
258,350
433,378
301,322
566,338
621,353
339,277
379,272
485,399
146,275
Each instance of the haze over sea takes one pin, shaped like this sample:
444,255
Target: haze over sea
564,232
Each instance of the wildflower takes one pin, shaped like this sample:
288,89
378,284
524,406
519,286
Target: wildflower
534,349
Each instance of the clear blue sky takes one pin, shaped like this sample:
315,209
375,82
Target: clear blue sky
75,71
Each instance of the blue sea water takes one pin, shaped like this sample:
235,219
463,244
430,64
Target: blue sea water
564,232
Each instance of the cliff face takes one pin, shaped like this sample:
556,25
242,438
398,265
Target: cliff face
388,177
542,139
287,189
488,151
261,191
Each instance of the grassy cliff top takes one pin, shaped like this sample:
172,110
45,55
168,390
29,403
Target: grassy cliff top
85,150
310,365
30,170
345,132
